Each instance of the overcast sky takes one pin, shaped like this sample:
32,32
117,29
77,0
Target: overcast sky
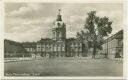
31,21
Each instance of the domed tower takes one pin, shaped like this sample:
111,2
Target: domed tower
59,28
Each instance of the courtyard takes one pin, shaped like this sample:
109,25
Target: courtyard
65,67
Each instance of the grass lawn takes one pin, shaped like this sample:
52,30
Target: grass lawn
66,67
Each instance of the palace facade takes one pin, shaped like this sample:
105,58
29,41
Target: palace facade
58,45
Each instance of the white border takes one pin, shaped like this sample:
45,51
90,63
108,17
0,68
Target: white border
125,20
1,38
125,71
68,1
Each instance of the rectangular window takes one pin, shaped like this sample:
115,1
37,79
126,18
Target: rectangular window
80,44
80,49
43,45
38,49
72,45
27,49
63,48
42,48
120,42
55,48
59,47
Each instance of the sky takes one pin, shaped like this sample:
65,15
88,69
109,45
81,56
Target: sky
32,21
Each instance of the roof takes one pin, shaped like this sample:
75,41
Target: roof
29,44
72,40
118,35
45,40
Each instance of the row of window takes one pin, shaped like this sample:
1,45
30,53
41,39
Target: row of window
30,49
76,44
51,49
46,49
76,49
48,45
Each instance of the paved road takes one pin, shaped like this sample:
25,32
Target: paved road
65,67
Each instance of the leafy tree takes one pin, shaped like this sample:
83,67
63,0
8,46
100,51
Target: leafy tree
95,29
81,36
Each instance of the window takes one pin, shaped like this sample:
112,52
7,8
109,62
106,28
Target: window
43,49
120,42
55,48
47,45
52,47
38,49
39,45
80,44
76,44
72,45
27,49
80,49
63,47
43,45
59,48
76,49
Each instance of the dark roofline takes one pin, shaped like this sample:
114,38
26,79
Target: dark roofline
113,36
73,40
45,40
29,43
12,41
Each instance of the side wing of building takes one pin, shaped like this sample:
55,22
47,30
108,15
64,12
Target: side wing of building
113,46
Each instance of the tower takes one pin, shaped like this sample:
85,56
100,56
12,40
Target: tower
59,28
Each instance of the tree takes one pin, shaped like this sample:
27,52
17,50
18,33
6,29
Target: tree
96,29
82,36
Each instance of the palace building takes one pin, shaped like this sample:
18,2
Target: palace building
59,45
